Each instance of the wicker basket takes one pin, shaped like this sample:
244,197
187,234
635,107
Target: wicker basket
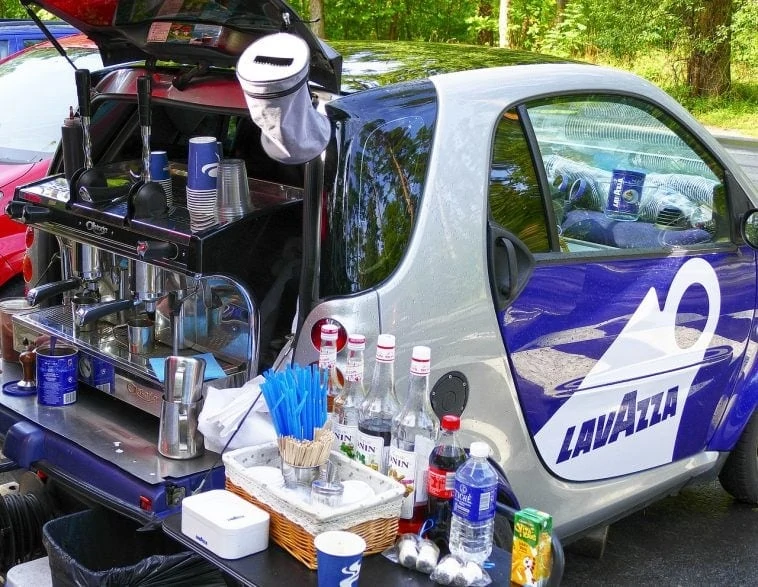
294,524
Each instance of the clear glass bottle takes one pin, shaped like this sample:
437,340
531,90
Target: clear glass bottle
444,461
414,433
347,404
327,363
473,521
379,407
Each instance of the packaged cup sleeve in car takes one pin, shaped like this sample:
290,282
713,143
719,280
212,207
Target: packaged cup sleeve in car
72,140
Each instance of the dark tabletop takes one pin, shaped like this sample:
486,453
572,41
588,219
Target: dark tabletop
275,567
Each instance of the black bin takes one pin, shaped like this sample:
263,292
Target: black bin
99,548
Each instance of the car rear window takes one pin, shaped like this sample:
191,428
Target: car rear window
374,177
38,89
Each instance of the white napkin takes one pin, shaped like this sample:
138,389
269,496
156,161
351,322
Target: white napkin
223,411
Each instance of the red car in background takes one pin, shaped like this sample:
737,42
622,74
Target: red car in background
37,88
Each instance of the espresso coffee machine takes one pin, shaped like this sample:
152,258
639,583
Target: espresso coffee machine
124,254
153,268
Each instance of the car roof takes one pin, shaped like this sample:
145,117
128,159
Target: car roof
19,25
76,41
379,63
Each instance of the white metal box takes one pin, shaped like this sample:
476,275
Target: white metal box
225,523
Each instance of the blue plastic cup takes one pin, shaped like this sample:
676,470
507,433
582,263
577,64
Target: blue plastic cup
202,163
159,165
338,556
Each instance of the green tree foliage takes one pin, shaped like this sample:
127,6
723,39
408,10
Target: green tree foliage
700,38
745,34
406,20
11,9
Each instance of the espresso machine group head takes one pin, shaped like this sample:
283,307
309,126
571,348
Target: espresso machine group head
84,266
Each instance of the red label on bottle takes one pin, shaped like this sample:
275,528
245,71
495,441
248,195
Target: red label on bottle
441,483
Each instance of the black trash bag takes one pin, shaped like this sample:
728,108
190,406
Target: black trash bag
97,548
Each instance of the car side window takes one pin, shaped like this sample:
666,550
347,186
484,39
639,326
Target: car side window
625,175
515,200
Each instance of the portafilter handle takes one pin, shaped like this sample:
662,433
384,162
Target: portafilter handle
39,294
87,314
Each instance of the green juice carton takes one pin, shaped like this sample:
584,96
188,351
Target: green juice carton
531,557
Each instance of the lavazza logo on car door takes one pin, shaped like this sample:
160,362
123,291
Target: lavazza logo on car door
584,440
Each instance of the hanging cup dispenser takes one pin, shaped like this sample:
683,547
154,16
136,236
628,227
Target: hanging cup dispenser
273,73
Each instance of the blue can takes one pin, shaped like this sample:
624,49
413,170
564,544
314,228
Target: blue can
624,194
57,371
97,372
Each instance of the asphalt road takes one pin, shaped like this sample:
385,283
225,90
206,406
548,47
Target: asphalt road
699,537
745,151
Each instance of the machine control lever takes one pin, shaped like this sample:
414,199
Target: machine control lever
15,210
31,214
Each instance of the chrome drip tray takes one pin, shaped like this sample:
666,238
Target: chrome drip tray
105,340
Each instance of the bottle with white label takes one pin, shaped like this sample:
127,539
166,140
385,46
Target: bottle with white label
379,407
414,433
347,404
327,363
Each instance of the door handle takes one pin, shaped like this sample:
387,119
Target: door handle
510,265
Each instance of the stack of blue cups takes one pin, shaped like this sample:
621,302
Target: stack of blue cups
202,169
161,174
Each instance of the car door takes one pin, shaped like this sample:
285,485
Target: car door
625,337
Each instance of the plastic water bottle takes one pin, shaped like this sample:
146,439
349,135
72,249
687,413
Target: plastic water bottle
473,520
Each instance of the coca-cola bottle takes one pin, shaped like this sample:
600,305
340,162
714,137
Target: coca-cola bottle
379,407
327,363
414,432
347,404
445,459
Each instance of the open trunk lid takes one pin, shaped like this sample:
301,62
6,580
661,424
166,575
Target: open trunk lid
190,32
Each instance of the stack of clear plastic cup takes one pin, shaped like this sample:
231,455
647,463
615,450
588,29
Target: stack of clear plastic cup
233,192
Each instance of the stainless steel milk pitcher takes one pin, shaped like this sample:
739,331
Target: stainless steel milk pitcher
183,379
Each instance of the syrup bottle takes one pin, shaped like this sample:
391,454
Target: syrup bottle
414,432
327,363
347,404
379,407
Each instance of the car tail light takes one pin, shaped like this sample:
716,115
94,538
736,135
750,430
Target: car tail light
316,333
145,503
27,269
29,237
